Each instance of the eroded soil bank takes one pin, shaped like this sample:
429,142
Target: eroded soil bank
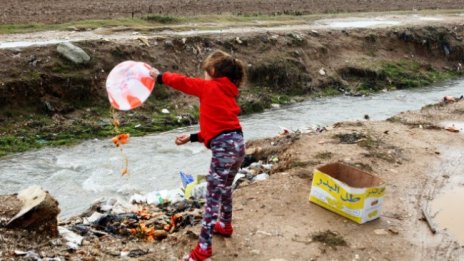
47,100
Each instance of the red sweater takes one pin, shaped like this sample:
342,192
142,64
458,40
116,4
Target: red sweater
218,105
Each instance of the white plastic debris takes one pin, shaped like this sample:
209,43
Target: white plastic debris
165,111
261,177
159,197
199,191
94,217
267,166
73,239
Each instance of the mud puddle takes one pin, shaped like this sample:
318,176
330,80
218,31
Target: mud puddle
447,204
362,23
450,212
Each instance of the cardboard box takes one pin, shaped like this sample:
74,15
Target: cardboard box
348,191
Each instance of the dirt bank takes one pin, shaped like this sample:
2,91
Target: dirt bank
47,100
63,10
273,218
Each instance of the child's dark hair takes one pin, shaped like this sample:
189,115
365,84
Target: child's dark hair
221,64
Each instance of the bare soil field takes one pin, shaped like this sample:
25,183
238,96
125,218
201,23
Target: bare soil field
58,11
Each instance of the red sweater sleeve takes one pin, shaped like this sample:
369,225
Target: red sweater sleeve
190,86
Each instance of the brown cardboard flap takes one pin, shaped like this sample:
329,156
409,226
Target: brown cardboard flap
351,176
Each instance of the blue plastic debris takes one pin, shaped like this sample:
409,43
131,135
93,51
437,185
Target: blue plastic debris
186,178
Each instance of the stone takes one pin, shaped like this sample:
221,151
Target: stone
73,53
381,232
33,209
322,72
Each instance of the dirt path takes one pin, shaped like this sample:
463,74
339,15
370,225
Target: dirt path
275,220
121,34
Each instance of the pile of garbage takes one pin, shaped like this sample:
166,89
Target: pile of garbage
152,216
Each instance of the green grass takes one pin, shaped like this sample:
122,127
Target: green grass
39,130
410,74
148,22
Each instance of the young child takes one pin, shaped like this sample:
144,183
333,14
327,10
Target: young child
220,131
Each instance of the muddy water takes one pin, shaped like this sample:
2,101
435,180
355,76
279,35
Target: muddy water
78,175
450,212
447,205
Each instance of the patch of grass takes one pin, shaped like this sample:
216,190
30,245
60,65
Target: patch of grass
329,91
382,155
161,19
350,138
324,155
329,238
369,142
76,25
363,166
281,99
302,164
411,74
152,21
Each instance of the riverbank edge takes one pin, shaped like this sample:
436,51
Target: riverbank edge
48,101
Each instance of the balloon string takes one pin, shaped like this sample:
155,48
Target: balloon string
116,124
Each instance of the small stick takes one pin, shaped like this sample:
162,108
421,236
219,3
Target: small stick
429,221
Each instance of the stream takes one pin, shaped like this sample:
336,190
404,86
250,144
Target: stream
77,176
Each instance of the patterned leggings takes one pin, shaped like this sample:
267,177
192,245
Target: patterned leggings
228,154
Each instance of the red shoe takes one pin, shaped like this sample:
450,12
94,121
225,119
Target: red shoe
198,254
225,231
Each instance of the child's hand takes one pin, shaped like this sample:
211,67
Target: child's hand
182,139
154,73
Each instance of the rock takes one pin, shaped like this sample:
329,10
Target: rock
168,44
394,230
144,40
33,209
381,232
314,33
73,53
55,105
297,37
322,71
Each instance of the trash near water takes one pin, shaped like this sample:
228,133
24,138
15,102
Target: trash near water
450,213
348,191
73,240
453,126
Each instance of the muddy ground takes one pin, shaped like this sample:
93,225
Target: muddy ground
274,220
28,11
47,100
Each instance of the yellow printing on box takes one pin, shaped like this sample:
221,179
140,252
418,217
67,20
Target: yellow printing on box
348,191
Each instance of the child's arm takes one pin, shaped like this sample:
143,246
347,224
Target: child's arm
184,138
191,86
